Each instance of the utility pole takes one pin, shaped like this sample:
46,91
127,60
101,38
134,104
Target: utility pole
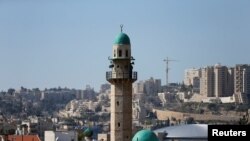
167,68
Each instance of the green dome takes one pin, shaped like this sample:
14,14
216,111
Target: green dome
122,39
145,135
88,132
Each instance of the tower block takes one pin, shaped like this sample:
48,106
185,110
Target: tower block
121,78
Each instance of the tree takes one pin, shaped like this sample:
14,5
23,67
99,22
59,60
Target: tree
244,119
11,91
229,107
212,107
241,108
80,136
36,89
23,89
98,108
190,120
183,87
200,111
3,93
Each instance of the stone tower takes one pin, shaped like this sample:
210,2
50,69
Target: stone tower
121,78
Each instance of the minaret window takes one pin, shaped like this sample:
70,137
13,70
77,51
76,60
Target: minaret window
117,103
126,53
120,53
114,53
119,124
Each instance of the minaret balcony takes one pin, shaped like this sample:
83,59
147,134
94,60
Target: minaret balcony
110,75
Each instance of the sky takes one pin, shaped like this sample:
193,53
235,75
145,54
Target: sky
52,43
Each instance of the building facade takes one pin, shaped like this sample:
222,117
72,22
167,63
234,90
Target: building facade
242,83
152,86
222,77
217,81
138,87
207,82
192,77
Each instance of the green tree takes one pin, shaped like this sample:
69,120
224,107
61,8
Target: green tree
98,108
11,91
212,107
190,120
229,107
183,87
80,136
244,119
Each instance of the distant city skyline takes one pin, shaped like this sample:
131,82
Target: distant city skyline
63,43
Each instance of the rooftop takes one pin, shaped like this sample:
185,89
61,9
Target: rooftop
187,131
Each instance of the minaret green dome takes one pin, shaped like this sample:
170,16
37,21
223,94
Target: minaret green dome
145,135
122,39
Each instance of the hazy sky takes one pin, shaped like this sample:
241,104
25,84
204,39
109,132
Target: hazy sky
51,43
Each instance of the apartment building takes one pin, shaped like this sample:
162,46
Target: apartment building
192,77
242,83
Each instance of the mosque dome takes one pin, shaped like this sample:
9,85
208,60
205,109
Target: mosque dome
88,132
145,135
122,39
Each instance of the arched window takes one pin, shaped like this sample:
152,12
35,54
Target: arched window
114,53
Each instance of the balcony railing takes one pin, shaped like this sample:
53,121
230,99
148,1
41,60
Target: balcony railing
113,75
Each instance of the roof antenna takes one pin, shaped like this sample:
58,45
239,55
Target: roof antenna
121,27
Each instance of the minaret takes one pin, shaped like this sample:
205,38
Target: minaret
121,78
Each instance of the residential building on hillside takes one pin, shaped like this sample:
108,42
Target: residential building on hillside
217,81
222,82
138,87
207,82
192,78
152,86
242,83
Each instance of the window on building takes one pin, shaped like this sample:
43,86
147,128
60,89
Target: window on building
114,53
119,124
126,53
117,103
120,53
